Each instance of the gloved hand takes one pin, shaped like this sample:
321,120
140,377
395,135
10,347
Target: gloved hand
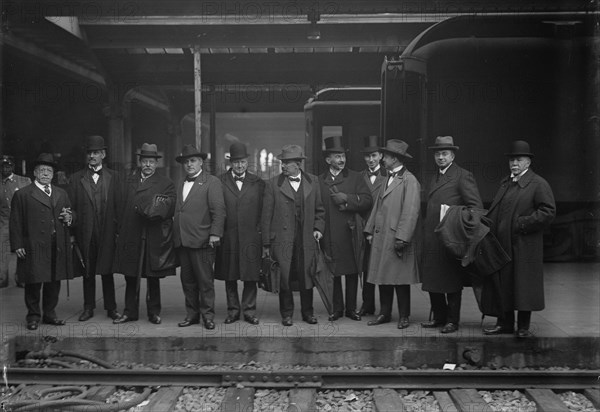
399,246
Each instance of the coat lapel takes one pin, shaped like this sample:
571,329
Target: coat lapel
286,189
501,192
200,180
106,179
443,180
41,197
86,185
396,182
230,184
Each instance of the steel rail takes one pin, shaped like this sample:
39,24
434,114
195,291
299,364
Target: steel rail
315,378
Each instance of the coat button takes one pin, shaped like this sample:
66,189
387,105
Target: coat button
376,230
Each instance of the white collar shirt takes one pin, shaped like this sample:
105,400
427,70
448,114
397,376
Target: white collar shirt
187,186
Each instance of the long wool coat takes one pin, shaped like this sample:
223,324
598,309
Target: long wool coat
80,193
440,272
395,216
239,256
33,219
159,254
518,225
338,233
278,224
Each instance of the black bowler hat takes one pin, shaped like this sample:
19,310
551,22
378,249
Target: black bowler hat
190,151
396,147
443,143
519,148
45,159
333,144
237,151
93,143
371,144
149,150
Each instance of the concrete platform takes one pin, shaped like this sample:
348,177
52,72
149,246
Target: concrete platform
567,331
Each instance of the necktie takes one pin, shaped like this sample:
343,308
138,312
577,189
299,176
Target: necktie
238,179
47,189
375,173
294,179
190,179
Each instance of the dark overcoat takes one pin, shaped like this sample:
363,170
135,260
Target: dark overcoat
441,272
80,193
340,225
395,216
33,219
239,256
158,254
278,223
519,215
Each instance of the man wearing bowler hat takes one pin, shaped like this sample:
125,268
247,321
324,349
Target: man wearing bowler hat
391,230
96,193
345,196
145,244
442,275
39,235
292,224
10,184
239,256
375,175
198,227
522,208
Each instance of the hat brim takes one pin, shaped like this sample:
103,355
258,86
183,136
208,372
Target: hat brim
291,158
383,149
371,149
180,159
237,157
519,154
443,147
45,163
156,156
335,150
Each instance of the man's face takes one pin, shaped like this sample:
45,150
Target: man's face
7,169
148,165
443,158
290,167
336,161
518,164
390,162
239,166
95,157
43,174
192,165
373,159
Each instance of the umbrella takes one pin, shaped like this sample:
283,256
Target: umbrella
322,277
358,241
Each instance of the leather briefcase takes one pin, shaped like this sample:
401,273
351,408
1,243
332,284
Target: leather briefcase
270,275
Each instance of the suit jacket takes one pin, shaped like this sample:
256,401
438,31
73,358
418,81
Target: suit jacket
340,237
33,220
395,216
278,224
9,188
380,179
239,256
158,251
440,271
80,193
201,214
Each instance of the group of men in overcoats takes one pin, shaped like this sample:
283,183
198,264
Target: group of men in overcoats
222,227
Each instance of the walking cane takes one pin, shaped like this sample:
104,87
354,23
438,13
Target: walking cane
140,268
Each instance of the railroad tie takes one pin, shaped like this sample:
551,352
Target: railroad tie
302,400
594,396
164,399
546,400
388,400
238,399
469,400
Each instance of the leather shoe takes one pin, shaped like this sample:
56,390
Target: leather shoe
403,323
113,314
380,319
450,327
87,314
231,319
209,324
188,322
287,321
155,319
51,321
334,316
251,319
123,319
363,312
432,324
311,320
497,330
524,334
33,325
353,315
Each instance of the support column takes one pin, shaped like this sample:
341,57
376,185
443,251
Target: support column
198,97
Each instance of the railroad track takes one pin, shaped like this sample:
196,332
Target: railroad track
453,390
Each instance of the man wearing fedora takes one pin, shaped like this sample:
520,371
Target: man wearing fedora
39,235
292,224
10,184
198,228
391,230
96,193
522,208
375,175
442,275
145,244
345,196
239,256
